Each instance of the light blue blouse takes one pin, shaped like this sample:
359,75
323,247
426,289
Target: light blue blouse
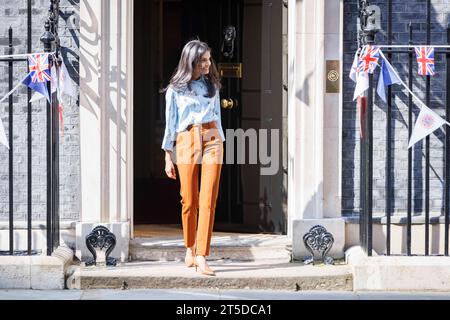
190,107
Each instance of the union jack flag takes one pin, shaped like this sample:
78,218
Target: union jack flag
39,74
368,60
39,68
425,60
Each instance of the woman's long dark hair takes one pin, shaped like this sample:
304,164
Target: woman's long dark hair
190,57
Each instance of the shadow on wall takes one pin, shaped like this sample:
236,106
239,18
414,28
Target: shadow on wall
71,58
311,208
105,103
303,93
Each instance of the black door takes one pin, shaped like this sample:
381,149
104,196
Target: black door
220,24
245,37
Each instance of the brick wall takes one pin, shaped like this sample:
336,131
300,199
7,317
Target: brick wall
403,13
14,13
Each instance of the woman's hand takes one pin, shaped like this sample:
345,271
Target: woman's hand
170,168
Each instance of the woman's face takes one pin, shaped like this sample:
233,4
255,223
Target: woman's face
202,67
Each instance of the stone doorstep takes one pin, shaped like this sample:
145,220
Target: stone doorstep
175,253
35,272
229,275
240,247
398,273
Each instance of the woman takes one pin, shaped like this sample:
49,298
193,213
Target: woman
193,122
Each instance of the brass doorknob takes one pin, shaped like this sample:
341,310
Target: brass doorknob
227,103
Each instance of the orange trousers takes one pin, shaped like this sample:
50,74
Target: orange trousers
202,145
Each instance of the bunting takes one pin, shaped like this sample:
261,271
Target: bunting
428,121
39,74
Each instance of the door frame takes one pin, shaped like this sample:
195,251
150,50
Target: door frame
290,17
130,118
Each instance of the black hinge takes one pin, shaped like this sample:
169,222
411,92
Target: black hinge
285,3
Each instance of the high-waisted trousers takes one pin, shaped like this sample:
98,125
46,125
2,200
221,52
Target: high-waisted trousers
199,145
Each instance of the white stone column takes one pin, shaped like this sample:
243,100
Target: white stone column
314,123
293,200
310,104
332,137
105,116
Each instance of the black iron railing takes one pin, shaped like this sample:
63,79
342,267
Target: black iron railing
366,150
51,43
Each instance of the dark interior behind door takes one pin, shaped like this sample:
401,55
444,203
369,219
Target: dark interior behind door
247,201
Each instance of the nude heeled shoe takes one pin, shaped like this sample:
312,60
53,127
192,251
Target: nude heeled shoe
206,270
189,260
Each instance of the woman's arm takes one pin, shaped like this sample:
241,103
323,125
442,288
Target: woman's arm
217,112
170,168
169,156
169,133
171,121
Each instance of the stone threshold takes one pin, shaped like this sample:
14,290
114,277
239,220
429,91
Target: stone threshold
243,247
229,275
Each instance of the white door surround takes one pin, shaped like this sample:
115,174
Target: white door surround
106,116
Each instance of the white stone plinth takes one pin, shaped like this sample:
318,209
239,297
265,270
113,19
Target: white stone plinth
335,226
398,273
121,232
35,272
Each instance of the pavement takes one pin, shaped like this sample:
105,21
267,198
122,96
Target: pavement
216,294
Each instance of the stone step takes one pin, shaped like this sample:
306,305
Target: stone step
224,246
229,275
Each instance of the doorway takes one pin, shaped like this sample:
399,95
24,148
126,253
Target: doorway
247,201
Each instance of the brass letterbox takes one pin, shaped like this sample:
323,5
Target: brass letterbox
230,70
